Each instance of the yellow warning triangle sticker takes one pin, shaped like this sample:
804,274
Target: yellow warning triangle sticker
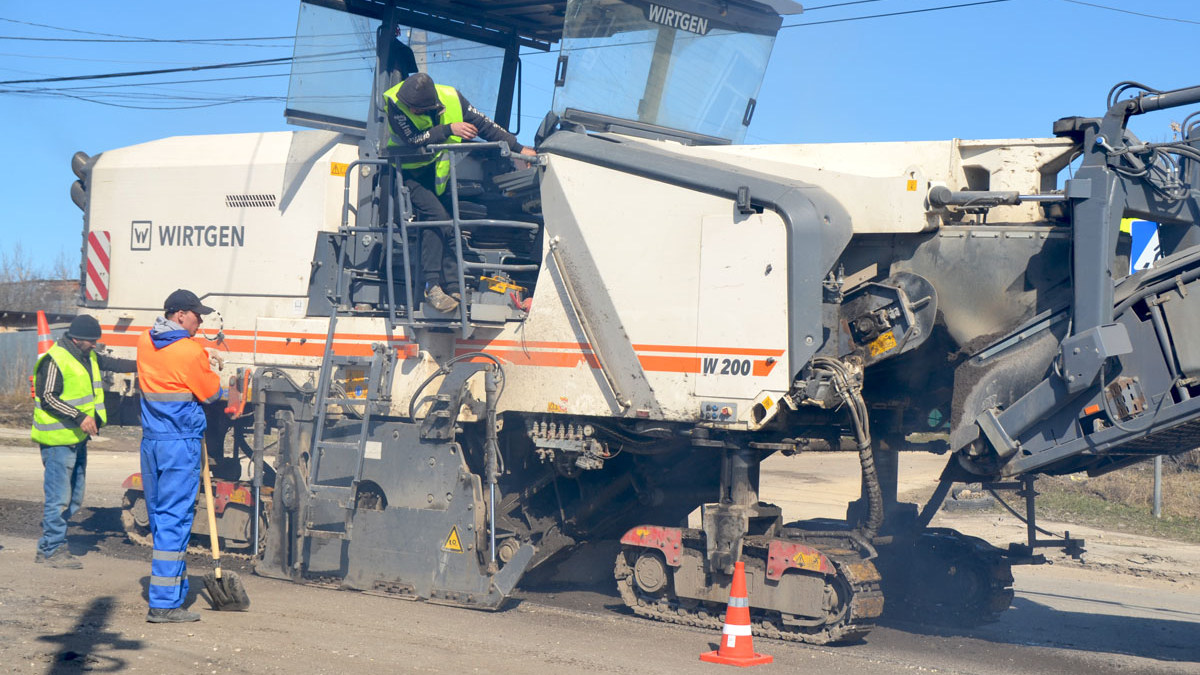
452,542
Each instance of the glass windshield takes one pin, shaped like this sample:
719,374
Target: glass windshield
471,68
696,71
333,68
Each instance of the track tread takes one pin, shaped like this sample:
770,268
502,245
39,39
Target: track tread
766,623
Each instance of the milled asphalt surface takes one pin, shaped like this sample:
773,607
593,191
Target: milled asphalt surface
1136,611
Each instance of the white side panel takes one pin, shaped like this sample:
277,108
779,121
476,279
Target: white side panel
742,304
658,250
884,185
213,214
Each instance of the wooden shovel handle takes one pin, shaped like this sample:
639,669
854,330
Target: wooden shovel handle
208,502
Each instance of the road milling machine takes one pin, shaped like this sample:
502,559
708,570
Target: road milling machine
648,311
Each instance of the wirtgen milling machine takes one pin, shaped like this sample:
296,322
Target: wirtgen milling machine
649,311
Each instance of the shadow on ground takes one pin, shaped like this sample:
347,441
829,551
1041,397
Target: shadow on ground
88,646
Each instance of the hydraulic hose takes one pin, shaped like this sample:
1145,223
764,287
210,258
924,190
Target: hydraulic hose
260,429
444,370
491,388
851,392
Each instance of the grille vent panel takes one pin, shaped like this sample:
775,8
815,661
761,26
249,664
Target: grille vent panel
250,201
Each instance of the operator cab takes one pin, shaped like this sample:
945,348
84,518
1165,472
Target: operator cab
681,70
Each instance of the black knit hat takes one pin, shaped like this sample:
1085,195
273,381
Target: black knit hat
84,327
418,92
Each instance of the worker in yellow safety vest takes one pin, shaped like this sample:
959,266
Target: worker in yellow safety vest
69,395
421,113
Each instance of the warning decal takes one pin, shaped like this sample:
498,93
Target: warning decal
883,343
452,542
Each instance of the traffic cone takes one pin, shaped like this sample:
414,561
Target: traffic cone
737,645
45,342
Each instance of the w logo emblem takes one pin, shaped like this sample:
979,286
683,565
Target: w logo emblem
139,239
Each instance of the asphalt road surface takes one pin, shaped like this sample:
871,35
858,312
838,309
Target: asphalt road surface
1137,611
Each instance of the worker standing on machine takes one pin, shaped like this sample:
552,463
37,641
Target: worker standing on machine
422,113
176,380
69,396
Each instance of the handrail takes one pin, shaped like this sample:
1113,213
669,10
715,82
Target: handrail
456,222
346,186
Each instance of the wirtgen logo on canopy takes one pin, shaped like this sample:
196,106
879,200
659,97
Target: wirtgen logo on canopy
143,234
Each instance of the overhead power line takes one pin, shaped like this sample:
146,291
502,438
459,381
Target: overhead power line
115,37
161,71
838,4
879,16
1126,11
315,58
211,41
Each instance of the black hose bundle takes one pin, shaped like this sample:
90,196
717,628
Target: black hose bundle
850,391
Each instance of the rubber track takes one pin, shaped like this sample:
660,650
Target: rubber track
766,623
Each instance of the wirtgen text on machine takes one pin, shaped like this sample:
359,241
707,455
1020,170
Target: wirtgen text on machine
212,236
679,20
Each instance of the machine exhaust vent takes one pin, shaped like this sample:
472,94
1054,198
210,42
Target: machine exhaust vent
249,201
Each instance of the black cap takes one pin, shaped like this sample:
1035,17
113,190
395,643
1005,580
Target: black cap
84,327
418,93
184,300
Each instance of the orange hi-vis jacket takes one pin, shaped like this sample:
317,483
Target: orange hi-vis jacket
175,379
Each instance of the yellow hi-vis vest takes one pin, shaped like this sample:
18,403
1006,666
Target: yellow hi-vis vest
452,112
81,390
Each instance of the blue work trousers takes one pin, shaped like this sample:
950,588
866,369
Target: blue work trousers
170,479
63,479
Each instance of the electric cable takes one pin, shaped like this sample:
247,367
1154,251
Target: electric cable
880,16
838,4
1126,11
287,60
161,71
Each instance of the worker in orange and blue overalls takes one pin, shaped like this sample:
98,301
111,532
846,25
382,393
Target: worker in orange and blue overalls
176,380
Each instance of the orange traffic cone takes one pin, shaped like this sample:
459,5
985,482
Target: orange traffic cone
737,645
45,342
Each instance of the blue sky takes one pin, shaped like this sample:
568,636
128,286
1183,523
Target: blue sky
1001,70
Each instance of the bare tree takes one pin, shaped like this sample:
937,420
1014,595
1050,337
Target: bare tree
25,287
64,267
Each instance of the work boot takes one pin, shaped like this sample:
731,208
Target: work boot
438,299
171,615
61,559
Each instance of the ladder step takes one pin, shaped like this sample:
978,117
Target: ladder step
325,534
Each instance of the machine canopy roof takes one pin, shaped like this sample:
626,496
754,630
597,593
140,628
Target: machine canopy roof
534,23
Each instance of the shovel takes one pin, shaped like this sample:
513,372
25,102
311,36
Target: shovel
225,591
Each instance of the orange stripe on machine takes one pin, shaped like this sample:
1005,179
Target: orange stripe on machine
275,342
687,359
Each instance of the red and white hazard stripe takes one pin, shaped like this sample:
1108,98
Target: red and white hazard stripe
99,244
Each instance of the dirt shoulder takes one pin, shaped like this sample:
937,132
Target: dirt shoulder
819,485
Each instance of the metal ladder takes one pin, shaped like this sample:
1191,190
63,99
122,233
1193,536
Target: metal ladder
456,223
377,367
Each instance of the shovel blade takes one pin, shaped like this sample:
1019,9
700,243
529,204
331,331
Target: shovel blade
226,593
